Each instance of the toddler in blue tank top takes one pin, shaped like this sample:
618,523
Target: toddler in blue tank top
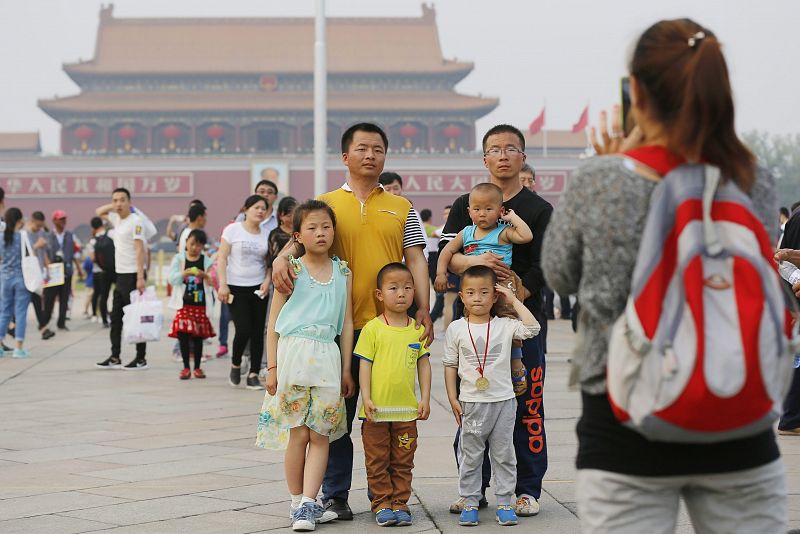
487,234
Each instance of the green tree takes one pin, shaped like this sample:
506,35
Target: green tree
781,154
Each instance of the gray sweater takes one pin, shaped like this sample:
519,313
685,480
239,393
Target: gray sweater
591,245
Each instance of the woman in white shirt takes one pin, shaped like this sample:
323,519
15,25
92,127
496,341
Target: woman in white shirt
242,271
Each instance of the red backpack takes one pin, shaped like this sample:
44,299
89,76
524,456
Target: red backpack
703,352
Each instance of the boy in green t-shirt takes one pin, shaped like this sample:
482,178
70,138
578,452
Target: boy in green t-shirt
392,354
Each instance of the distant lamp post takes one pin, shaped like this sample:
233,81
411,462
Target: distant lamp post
84,133
127,134
172,133
409,131
452,133
215,133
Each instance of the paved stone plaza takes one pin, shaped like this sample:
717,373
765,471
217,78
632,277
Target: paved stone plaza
87,450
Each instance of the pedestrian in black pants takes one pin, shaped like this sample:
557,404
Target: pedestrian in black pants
242,271
102,288
129,253
60,249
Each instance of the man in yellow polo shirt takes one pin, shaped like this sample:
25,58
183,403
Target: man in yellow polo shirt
373,228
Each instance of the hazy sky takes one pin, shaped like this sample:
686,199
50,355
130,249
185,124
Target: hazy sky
566,53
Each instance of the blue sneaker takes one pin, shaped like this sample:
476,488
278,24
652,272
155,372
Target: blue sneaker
21,353
506,516
468,517
385,517
303,519
403,518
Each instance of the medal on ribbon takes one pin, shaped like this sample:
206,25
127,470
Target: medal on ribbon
482,383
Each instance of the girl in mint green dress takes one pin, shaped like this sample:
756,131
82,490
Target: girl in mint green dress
307,375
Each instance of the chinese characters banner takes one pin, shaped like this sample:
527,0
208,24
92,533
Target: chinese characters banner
140,184
549,182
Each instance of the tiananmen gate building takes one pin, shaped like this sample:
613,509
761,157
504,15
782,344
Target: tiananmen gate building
181,108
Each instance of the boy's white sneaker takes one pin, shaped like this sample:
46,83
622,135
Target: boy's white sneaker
320,514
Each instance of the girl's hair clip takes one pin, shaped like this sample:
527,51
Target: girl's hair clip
695,39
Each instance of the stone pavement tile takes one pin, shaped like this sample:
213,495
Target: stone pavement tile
42,483
259,493
240,443
562,491
225,522
50,524
177,440
51,503
167,454
436,495
269,472
133,513
16,440
169,487
66,452
561,469
188,466
254,454
435,458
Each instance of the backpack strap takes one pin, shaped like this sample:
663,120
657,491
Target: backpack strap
712,179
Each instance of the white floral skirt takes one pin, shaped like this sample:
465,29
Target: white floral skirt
308,394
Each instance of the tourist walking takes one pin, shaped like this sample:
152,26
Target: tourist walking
191,286
60,249
129,265
14,295
244,285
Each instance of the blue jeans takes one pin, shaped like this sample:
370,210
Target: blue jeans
224,319
339,473
15,300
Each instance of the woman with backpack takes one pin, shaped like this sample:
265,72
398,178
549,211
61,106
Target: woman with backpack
14,296
627,482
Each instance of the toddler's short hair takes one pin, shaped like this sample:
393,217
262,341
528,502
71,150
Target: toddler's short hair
479,271
486,187
390,268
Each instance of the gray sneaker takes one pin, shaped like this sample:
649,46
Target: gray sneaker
253,383
321,515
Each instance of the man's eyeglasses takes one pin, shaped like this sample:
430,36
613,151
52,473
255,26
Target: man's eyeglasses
509,151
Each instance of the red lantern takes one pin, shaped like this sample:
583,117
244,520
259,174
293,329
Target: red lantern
408,131
127,134
172,132
84,133
452,133
215,132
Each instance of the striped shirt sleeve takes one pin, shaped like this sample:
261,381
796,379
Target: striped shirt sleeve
413,235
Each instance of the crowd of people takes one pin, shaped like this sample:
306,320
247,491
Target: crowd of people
330,300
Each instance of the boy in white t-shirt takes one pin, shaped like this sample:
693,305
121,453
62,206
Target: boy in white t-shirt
478,351
130,230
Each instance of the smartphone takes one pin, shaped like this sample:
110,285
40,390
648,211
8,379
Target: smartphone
625,93
230,298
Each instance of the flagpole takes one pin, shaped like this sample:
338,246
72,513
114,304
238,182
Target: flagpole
320,102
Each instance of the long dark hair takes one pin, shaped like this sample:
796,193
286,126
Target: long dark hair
680,68
12,217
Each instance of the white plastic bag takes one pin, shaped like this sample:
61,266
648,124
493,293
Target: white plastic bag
143,318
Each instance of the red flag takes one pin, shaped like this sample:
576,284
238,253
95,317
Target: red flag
537,124
583,121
